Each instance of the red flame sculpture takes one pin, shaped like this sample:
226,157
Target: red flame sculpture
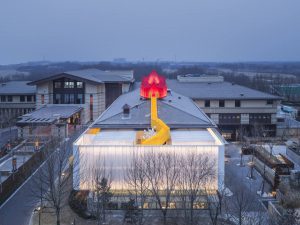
154,84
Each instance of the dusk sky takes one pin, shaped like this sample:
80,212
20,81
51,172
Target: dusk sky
186,30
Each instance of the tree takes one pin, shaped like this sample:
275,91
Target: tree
196,172
131,213
162,172
53,180
290,217
103,195
101,182
214,204
138,184
240,202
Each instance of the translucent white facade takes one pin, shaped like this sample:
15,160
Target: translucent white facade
115,149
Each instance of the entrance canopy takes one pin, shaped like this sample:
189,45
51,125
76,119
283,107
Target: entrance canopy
49,114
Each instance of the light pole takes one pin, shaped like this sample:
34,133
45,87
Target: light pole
263,181
251,166
241,159
0,183
271,145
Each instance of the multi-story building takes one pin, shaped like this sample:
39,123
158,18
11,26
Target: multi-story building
92,89
71,98
16,98
237,110
136,128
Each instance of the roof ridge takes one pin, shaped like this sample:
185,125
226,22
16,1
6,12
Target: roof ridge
140,103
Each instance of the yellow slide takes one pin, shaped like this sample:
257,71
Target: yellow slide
162,134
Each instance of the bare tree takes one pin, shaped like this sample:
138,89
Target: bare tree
138,184
196,171
101,179
52,182
162,173
214,202
241,202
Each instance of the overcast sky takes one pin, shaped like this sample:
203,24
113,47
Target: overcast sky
190,30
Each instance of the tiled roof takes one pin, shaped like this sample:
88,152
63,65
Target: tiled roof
175,110
215,90
93,75
16,88
49,114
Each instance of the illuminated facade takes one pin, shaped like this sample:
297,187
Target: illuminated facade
121,134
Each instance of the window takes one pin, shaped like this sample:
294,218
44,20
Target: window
29,98
3,98
207,103
237,103
79,99
43,99
221,103
72,99
66,98
57,84
79,84
269,102
57,99
69,84
9,98
22,98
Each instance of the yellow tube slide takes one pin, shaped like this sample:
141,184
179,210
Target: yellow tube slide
162,134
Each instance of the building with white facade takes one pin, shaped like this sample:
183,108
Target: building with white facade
237,110
113,141
92,89
72,98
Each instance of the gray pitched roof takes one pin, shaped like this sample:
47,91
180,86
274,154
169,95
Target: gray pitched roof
217,90
175,110
16,88
49,114
93,75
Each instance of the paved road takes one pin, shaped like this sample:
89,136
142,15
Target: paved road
18,209
236,177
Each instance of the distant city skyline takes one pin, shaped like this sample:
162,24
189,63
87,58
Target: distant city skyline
192,30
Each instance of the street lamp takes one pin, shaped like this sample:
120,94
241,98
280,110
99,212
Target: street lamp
241,160
0,183
251,166
36,144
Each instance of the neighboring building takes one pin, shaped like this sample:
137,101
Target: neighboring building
16,98
68,99
92,89
234,108
49,121
116,137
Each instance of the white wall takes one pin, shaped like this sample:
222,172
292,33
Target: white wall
117,158
43,89
98,92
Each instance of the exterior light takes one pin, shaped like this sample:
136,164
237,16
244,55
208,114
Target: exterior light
154,84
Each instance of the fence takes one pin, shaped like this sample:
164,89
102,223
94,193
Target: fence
10,185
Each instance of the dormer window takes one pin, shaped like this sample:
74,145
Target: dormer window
126,111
